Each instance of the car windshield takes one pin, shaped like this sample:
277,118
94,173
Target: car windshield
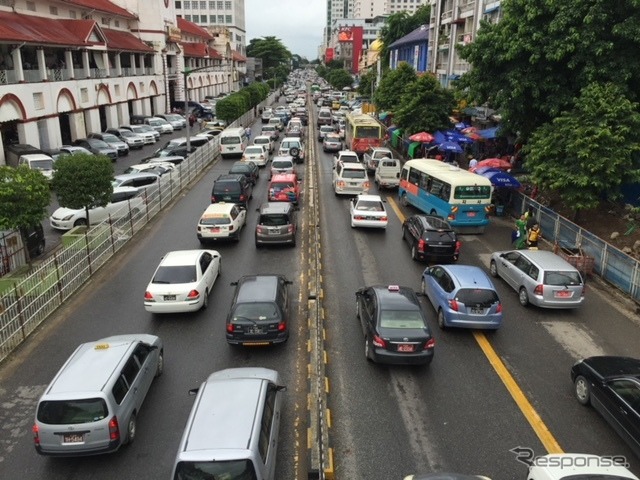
144,128
290,144
262,141
127,133
41,164
401,319
347,173
240,168
281,164
216,470
154,121
215,219
72,412
477,296
175,274
95,143
274,220
278,186
349,158
110,138
255,311
370,206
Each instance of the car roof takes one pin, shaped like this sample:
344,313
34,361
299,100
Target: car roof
547,260
258,288
612,366
125,190
352,166
404,298
284,177
181,257
275,207
219,208
469,276
262,137
128,176
282,157
371,198
291,139
230,177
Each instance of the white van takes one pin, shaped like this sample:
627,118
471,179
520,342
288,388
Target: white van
388,173
232,142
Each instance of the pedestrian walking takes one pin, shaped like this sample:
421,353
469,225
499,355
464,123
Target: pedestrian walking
192,120
519,235
247,132
533,236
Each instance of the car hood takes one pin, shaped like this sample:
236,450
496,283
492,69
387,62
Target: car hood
610,366
62,212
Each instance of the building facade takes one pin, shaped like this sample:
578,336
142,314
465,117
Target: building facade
411,49
71,67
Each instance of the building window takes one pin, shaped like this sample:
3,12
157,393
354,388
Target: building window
73,14
53,10
187,5
105,21
212,5
187,18
203,5
227,5
220,19
203,19
116,23
229,19
212,19
31,6
220,5
178,3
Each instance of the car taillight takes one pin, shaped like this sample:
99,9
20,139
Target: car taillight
148,297
379,342
230,328
539,290
341,183
213,199
384,219
422,245
114,429
366,185
458,245
453,304
260,229
499,308
358,217
36,434
193,294
429,344
243,197
451,216
290,229
282,326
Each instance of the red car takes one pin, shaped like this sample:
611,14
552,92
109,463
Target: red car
284,188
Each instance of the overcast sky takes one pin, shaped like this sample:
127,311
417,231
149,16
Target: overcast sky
298,23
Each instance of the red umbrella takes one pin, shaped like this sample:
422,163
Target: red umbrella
473,136
469,130
422,137
494,163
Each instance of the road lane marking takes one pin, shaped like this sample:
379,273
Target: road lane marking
530,413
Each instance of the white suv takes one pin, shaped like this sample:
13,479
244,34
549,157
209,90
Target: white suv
124,200
292,146
350,179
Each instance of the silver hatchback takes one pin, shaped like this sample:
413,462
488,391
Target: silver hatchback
540,277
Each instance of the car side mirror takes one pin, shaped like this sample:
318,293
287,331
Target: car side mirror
233,284
194,391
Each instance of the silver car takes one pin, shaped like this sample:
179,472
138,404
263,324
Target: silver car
282,165
540,277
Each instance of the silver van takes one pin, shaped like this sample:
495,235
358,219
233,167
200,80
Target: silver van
91,404
540,277
232,431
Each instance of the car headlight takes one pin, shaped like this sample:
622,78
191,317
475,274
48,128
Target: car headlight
68,217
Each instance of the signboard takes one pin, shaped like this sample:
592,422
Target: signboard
174,34
328,55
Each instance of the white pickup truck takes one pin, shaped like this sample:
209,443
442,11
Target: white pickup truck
345,156
373,155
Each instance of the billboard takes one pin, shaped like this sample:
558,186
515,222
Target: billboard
352,35
328,55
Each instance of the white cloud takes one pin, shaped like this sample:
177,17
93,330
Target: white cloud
298,23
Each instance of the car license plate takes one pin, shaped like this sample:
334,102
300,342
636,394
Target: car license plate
471,214
231,148
562,294
169,297
405,347
255,331
226,197
214,229
73,438
477,311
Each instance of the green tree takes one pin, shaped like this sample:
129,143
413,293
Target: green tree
590,150
272,52
367,83
394,83
534,62
425,106
24,198
339,78
83,181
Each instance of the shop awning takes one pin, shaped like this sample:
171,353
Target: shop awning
413,147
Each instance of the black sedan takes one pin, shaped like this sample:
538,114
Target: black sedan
248,169
394,326
430,237
612,386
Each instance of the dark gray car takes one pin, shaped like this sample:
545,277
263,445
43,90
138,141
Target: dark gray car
98,147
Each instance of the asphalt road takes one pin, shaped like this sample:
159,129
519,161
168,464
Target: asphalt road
455,415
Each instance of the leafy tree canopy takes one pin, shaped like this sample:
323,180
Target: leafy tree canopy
535,61
272,52
400,24
393,85
425,106
367,83
590,150
24,197
339,78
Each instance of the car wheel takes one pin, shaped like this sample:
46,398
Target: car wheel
404,232
523,297
423,287
367,350
220,268
205,300
414,252
493,269
352,224
404,201
441,319
81,222
40,249
582,390
131,429
357,309
160,367
258,244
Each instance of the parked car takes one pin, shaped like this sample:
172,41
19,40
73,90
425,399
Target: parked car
462,296
182,282
611,385
431,238
221,221
540,277
97,147
178,122
160,168
113,141
368,211
445,476
132,139
34,239
68,150
149,135
125,201
394,326
248,169
232,188
159,124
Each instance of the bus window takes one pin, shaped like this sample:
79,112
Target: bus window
436,187
367,132
414,176
424,181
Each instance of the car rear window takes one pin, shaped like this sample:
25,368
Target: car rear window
227,470
401,319
281,164
370,205
274,220
477,296
230,140
71,412
254,151
215,219
226,187
255,311
562,278
278,186
347,173
175,274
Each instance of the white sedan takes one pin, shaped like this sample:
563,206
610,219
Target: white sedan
258,154
564,466
368,211
182,282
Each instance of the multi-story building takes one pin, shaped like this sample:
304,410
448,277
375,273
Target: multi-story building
228,14
68,68
336,10
412,49
395,6
454,23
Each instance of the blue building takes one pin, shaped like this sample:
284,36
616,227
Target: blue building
412,49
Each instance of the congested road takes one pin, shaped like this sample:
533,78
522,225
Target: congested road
462,413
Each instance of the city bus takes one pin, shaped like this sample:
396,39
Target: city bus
439,188
361,132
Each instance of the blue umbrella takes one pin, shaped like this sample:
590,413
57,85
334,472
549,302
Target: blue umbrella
457,137
439,137
501,179
461,125
450,147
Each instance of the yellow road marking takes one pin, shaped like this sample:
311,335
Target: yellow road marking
396,208
539,427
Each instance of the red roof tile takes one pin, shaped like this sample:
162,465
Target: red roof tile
102,6
238,57
15,27
119,40
193,29
191,49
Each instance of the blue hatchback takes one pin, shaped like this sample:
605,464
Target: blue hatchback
463,296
